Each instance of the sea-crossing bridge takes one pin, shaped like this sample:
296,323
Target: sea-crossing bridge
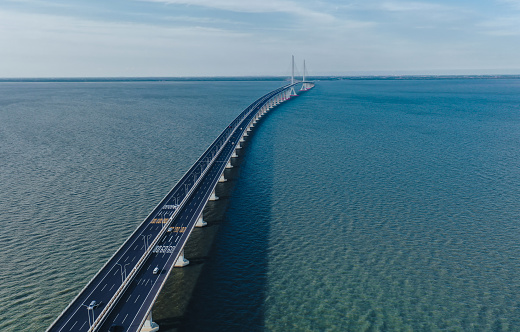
121,295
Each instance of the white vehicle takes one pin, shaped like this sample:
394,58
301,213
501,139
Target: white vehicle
170,229
156,270
92,305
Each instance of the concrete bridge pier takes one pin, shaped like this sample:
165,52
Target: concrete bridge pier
228,165
201,222
181,261
149,324
222,178
213,197
234,155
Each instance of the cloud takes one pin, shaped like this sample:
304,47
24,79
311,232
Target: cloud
410,6
503,26
205,38
36,45
513,3
262,6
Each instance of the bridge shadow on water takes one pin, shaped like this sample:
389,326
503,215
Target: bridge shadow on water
225,285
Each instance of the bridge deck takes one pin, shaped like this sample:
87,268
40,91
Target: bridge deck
125,288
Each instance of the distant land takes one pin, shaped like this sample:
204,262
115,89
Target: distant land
254,78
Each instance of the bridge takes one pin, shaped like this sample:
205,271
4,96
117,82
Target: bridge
121,295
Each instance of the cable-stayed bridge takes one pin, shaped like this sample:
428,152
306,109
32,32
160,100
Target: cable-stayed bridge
121,295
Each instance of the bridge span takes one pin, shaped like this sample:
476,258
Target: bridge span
121,295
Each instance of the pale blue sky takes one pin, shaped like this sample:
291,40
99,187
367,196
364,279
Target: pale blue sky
93,38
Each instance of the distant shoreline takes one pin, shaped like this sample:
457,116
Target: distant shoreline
247,78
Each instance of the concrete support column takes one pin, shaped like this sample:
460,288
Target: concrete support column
222,178
213,197
229,164
234,155
149,324
201,222
181,261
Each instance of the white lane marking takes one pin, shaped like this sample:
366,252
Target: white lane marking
104,287
124,319
111,287
76,322
81,328
128,299
137,298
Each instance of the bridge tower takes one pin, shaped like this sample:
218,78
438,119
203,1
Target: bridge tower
292,93
305,86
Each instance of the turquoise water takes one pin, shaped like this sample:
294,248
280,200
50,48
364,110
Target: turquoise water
377,205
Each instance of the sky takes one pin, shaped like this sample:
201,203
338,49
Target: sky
172,38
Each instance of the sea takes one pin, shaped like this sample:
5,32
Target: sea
364,204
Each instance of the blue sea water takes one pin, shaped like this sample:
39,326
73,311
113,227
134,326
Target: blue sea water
362,205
